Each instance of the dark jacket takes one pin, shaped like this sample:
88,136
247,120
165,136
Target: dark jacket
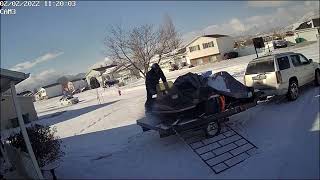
152,79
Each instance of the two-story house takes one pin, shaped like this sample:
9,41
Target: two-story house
208,48
308,30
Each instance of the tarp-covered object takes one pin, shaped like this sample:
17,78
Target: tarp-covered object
227,85
184,93
191,89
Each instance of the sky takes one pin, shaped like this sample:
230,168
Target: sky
52,41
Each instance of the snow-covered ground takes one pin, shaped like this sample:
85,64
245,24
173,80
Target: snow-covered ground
102,140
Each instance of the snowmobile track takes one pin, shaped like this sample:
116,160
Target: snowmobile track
221,152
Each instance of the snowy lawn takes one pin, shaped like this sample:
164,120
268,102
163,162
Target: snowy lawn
103,141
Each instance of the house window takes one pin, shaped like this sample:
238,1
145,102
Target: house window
194,48
207,45
199,61
212,59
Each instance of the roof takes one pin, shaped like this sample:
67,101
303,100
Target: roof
78,80
8,76
25,93
182,50
307,24
100,69
103,68
215,35
124,67
50,85
208,35
304,25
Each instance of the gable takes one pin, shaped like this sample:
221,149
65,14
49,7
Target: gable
201,40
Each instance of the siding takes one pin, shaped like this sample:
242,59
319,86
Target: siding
310,34
221,46
8,111
205,60
202,52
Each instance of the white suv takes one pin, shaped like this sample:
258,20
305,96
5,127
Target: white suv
281,74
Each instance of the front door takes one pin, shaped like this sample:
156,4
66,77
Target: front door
284,68
308,68
299,69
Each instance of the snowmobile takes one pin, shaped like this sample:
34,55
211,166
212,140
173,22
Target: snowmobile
199,100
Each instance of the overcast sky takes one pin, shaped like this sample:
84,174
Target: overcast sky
50,41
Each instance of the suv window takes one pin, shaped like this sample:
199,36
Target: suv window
283,63
262,66
295,60
298,60
303,59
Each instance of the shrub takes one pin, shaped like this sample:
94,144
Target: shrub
45,145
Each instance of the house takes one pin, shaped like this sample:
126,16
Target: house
208,48
95,77
15,111
8,115
308,30
123,73
49,91
178,57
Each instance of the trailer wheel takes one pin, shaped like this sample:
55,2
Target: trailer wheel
212,129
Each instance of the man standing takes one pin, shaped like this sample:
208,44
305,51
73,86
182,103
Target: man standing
152,80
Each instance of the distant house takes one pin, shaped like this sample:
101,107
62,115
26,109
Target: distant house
308,30
124,73
208,48
49,91
178,57
94,76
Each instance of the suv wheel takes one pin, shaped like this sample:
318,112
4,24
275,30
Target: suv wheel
293,91
317,78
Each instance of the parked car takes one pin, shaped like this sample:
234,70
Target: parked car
230,55
111,82
281,74
280,44
68,100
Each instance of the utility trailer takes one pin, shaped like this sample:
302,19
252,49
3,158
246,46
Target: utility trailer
211,123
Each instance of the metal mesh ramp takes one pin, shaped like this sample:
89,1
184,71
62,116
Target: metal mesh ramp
222,151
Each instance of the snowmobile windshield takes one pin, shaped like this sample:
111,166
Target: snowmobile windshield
262,65
227,85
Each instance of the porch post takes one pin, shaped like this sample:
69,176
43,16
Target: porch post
24,130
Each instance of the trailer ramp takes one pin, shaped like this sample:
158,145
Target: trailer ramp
221,152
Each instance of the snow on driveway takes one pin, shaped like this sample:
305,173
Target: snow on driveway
103,141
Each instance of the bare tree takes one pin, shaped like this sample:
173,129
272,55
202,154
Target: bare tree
139,45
